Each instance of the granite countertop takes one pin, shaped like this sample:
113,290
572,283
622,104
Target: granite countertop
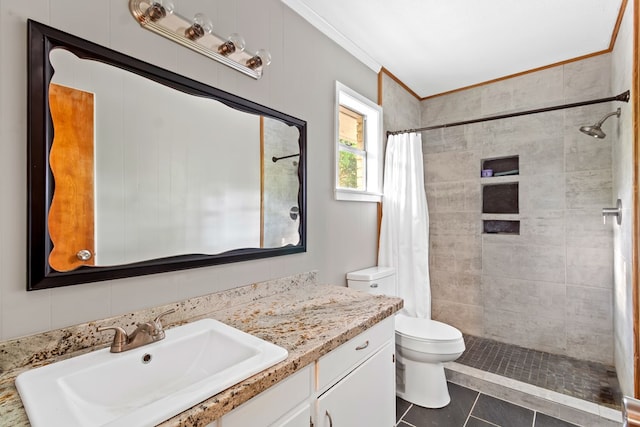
309,321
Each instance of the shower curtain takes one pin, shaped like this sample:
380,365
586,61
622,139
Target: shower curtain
404,233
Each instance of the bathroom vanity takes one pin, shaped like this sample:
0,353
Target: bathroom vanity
340,344
351,385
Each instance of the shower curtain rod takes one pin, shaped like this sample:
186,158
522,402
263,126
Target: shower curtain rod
275,159
623,97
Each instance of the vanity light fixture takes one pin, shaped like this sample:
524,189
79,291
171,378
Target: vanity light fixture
197,34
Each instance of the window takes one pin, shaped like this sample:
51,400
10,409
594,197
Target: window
352,162
358,147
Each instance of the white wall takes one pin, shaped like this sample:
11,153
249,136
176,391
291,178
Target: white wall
621,75
299,82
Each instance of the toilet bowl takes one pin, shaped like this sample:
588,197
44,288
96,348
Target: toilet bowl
422,345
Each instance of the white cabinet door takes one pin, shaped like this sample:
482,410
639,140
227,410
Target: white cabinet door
299,418
279,405
365,397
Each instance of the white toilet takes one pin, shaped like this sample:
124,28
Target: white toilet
422,345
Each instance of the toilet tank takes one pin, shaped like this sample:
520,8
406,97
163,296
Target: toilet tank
374,280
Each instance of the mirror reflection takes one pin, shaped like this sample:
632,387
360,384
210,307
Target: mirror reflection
167,173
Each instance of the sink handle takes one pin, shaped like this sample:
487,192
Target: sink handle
158,332
161,315
119,339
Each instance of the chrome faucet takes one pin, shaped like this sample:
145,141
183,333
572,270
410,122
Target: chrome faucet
145,333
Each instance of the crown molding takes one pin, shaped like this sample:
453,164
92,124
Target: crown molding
330,31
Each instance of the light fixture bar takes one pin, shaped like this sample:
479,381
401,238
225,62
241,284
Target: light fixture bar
173,26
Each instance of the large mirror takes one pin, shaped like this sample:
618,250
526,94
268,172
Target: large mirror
136,170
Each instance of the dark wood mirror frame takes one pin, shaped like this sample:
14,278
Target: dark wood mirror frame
40,275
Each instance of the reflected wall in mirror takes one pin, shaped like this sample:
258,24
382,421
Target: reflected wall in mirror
136,170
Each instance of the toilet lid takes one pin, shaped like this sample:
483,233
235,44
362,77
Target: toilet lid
425,329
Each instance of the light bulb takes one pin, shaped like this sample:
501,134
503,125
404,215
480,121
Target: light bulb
168,6
201,25
202,20
159,9
265,56
262,58
235,43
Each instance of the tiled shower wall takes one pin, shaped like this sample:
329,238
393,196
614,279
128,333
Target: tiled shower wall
402,110
621,78
549,288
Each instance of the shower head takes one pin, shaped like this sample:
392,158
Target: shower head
595,130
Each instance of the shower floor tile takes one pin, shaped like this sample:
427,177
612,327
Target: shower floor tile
590,381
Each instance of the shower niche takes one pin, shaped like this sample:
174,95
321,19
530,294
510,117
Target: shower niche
500,195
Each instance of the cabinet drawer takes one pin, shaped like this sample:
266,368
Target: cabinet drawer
365,397
337,363
273,403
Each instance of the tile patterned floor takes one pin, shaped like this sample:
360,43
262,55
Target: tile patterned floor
589,381
469,408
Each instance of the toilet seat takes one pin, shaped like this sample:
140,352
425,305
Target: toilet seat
428,336
426,329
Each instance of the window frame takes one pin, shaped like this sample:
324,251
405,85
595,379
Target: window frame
373,145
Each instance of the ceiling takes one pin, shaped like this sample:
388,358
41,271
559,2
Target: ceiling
436,46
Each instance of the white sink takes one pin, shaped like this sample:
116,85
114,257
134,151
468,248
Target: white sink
147,385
